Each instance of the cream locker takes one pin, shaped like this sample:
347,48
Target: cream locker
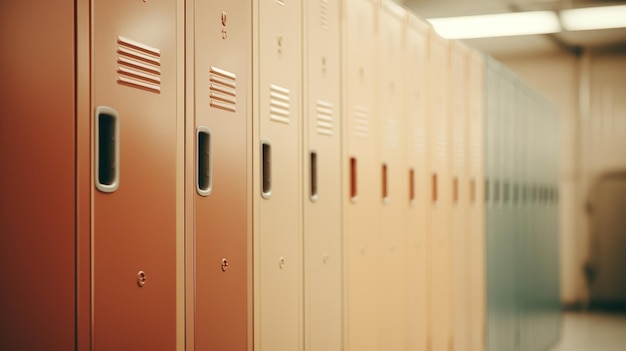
459,243
394,192
135,99
322,177
362,178
441,195
415,83
476,210
219,126
277,60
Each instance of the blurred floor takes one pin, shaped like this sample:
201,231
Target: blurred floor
593,332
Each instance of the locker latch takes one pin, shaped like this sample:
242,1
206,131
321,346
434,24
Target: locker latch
224,264
141,278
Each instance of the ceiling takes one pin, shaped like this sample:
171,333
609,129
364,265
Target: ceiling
574,42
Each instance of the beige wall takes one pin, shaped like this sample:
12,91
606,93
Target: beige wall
590,92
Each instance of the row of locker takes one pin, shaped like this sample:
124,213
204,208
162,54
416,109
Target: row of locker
268,175
521,174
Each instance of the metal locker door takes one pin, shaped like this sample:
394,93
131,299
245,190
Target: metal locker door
441,196
220,125
362,178
277,186
459,226
418,176
38,185
476,238
393,198
135,97
322,178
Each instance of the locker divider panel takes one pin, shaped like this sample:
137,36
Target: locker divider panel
221,68
136,72
277,60
323,299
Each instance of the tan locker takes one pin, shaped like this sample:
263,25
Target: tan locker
219,123
476,211
418,177
322,178
135,76
362,178
394,193
460,194
440,197
277,183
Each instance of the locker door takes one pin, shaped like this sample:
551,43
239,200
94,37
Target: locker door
477,296
220,125
459,226
135,80
362,177
322,178
418,176
393,198
441,196
38,185
278,231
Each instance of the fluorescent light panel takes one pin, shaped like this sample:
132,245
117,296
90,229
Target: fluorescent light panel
497,25
604,17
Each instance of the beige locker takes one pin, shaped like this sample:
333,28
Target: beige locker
135,92
476,211
362,178
441,195
219,124
322,178
460,278
277,60
394,193
418,177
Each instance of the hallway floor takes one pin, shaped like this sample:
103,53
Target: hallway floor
593,332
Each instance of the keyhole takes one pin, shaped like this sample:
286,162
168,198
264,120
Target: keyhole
224,264
281,263
141,278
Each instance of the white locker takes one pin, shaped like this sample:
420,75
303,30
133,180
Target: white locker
441,196
322,178
362,177
219,124
415,84
394,193
277,60
476,211
459,243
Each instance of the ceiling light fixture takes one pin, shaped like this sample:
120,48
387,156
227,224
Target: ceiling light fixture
497,25
589,18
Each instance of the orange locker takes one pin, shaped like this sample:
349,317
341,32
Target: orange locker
418,177
322,178
476,210
135,96
394,193
441,195
460,278
362,177
219,125
277,185
38,178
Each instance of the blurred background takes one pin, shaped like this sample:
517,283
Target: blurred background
573,52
